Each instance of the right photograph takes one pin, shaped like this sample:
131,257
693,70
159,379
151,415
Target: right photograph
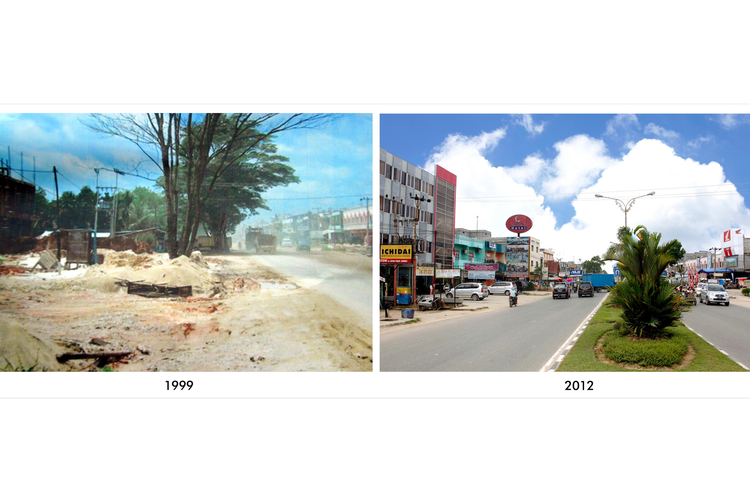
564,242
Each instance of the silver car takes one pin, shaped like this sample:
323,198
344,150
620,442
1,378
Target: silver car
501,287
473,291
714,294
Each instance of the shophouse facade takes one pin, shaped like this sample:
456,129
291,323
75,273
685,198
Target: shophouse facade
417,210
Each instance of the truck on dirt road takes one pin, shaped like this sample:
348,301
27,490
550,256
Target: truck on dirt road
260,242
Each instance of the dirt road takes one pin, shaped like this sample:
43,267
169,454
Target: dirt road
243,317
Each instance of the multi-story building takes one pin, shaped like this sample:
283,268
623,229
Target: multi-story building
417,210
468,250
357,224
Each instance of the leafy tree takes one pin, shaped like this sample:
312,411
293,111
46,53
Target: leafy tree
187,147
238,191
648,301
677,251
593,265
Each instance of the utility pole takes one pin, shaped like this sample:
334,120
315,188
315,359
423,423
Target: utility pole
367,199
57,222
96,215
417,201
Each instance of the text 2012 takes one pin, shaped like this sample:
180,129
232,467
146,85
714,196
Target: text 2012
575,385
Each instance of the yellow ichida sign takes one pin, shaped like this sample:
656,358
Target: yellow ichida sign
395,254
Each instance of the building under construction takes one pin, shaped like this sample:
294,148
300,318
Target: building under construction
16,207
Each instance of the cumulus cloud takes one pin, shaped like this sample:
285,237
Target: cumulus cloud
527,122
579,162
686,191
660,131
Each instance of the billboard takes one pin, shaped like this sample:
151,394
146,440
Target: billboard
518,223
481,267
733,245
481,275
518,257
425,271
447,273
395,254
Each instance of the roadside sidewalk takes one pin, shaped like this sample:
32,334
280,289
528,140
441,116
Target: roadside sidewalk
736,298
491,303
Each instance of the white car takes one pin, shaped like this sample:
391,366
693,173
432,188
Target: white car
714,294
473,291
501,287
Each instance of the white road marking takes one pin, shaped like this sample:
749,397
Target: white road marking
561,351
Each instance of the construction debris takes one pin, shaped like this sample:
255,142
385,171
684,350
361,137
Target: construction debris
152,290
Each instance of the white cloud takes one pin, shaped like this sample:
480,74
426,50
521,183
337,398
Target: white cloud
527,122
579,162
656,130
623,123
532,169
679,210
459,145
696,143
729,122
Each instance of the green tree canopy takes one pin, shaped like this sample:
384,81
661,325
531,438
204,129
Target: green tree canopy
593,265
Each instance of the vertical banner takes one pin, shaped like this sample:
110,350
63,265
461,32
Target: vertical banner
518,257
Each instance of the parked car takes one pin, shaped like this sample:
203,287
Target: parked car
714,294
560,291
586,288
501,287
473,291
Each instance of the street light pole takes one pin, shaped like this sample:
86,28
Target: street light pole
713,257
417,201
625,207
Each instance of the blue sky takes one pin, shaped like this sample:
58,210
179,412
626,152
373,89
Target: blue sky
550,166
334,161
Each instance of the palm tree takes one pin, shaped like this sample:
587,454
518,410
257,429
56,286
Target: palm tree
648,301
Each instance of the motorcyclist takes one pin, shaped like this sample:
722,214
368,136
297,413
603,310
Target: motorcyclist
514,295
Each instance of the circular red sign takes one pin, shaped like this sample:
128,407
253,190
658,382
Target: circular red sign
518,223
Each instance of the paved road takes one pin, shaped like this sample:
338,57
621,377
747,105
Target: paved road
523,338
350,286
728,328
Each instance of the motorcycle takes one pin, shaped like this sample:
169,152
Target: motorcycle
513,301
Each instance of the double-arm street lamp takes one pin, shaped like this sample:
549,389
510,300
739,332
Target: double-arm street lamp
625,207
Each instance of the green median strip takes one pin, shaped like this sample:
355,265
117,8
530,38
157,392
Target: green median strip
681,350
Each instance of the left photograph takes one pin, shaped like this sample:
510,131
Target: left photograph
186,242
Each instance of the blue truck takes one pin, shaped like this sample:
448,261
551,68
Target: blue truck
599,281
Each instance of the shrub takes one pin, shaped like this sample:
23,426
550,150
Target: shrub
629,349
530,287
648,301
746,292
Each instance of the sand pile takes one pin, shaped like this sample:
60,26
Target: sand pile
21,350
152,268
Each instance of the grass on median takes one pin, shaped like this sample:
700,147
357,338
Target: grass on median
582,357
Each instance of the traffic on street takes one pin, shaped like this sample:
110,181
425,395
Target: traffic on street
494,337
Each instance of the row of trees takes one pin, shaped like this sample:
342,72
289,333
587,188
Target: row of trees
140,208
206,159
